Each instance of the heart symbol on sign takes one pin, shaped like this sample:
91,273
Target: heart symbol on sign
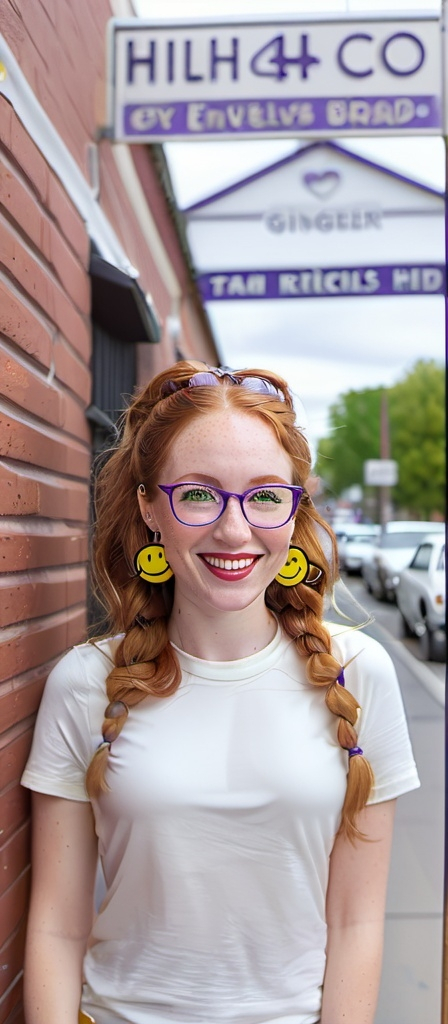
322,185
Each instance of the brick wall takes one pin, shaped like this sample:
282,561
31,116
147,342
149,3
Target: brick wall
45,387
44,492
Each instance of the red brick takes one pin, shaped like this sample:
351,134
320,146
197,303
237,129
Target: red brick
14,856
11,1005
11,957
26,154
13,905
32,544
74,419
37,281
23,208
30,595
20,696
70,371
68,220
25,443
23,649
24,326
14,755
31,493
14,812
23,385
72,275
20,203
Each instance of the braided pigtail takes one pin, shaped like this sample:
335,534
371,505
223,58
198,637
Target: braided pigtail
300,609
146,665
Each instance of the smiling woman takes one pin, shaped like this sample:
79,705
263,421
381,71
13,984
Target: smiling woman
209,748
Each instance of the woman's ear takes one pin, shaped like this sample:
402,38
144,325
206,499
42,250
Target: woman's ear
145,508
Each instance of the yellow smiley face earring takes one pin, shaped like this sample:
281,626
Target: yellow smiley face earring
151,562
298,569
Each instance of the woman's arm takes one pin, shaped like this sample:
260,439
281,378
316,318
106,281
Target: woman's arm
64,864
355,916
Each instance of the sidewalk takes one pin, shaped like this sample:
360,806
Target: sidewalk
412,969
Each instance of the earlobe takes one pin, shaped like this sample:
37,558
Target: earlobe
145,508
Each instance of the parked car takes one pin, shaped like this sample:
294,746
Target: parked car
392,552
355,547
421,597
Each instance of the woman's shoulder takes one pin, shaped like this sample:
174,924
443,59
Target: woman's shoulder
83,667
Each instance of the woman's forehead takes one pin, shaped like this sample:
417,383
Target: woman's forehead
226,435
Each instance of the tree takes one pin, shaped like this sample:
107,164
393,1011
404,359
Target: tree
417,435
417,439
355,437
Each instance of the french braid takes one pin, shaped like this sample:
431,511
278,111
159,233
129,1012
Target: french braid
145,661
300,609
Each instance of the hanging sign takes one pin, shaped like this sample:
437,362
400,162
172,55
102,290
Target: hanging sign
282,78
321,282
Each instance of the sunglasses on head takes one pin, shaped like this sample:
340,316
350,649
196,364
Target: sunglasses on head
210,378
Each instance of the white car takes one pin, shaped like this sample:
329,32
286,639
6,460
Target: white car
391,553
354,548
421,597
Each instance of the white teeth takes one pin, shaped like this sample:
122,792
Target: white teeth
229,563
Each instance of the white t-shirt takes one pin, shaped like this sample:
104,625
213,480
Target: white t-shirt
216,834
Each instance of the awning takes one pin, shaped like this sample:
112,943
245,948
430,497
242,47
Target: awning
119,304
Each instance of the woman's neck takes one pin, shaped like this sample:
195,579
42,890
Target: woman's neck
222,636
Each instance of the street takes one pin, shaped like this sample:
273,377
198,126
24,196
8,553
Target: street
412,969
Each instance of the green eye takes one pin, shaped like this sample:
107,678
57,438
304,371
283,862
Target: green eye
197,494
265,496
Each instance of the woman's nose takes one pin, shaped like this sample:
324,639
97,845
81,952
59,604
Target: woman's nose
232,524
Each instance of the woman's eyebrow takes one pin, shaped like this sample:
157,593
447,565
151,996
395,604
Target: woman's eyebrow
270,479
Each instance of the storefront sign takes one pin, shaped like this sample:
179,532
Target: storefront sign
321,282
274,78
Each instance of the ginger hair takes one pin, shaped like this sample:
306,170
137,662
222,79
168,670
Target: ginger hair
145,661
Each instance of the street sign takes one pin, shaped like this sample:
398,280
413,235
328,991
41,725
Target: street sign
380,473
319,282
274,78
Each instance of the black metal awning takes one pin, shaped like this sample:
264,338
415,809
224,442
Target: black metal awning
119,304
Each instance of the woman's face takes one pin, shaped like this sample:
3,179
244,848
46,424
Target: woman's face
233,451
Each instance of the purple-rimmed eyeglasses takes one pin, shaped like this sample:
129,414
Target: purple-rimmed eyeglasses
210,378
267,506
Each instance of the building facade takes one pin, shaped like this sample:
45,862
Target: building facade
96,295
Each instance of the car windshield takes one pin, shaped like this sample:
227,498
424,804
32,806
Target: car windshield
400,540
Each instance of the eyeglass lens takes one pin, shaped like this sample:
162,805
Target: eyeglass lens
198,505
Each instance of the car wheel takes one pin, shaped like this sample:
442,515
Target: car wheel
432,645
405,627
378,592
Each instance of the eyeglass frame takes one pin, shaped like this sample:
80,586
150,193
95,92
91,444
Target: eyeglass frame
214,373
297,493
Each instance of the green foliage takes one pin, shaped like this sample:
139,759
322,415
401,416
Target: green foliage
417,439
355,437
417,434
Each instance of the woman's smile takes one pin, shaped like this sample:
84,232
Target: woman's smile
230,567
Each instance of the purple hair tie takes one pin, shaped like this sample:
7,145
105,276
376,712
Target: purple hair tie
353,750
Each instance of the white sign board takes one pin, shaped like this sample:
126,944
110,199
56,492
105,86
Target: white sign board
274,78
380,473
321,222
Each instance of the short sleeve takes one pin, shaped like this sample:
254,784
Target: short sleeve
63,743
382,728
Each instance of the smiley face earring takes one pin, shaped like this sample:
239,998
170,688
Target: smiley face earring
151,563
298,569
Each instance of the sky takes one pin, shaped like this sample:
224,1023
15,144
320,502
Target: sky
322,347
